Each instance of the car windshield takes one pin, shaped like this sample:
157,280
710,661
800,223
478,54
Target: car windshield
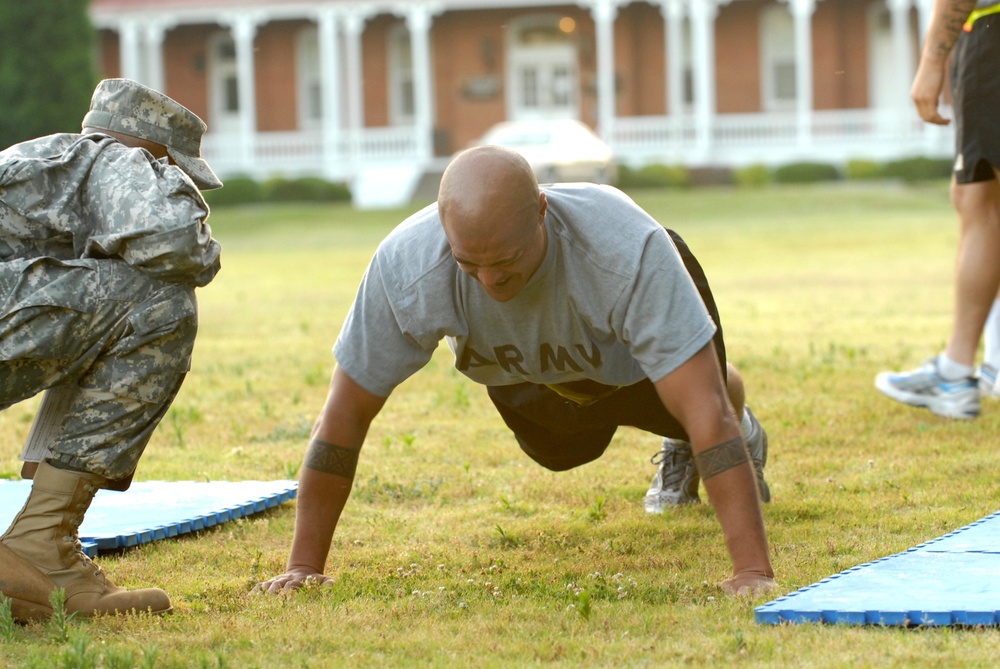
521,138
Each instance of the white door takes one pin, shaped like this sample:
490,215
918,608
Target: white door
543,83
542,77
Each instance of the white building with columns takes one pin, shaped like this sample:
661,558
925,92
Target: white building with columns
368,90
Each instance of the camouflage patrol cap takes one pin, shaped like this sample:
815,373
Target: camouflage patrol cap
128,107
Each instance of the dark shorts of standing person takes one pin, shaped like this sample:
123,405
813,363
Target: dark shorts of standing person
561,434
976,100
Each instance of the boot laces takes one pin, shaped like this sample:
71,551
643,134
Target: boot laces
78,552
80,555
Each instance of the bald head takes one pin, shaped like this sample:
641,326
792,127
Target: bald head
484,180
492,214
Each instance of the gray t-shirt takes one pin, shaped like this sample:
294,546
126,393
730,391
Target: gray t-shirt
611,302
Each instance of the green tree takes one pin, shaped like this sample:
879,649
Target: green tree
46,67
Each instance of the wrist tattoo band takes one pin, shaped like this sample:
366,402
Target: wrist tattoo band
718,459
332,459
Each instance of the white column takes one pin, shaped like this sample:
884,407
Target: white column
925,10
130,53
936,138
604,13
155,33
673,28
354,25
244,29
330,72
802,12
703,13
902,51
418,22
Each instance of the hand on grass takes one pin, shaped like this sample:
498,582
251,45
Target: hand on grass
748,584
292,580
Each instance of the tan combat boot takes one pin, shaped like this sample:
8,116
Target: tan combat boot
41,552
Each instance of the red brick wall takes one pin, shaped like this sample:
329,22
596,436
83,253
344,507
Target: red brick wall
640,61
276,51
375,69
185,63
467,45
840,55
108,50
737,57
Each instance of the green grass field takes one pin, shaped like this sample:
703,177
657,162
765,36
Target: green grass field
457,551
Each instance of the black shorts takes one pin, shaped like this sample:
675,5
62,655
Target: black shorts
560,434
976,97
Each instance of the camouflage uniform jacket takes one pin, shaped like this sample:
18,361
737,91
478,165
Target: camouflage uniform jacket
69,196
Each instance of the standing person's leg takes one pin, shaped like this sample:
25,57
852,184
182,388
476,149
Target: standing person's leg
125,348
975,191
977,274
989,370
946,383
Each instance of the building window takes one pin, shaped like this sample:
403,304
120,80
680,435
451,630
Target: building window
224,88
231,95
401,93
310,90
778,67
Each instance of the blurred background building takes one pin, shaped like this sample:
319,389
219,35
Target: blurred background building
379,93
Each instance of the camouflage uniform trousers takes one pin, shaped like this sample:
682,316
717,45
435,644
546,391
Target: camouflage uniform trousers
121,338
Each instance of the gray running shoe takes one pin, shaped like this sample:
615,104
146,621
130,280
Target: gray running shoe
757,445
925,387
676,479
987,377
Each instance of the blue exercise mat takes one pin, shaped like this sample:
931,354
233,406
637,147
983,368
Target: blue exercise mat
153,510
952,580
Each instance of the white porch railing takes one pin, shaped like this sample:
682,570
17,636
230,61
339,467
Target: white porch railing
308,152
729,140
735,140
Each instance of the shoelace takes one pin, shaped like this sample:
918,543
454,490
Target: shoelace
668,458
85,559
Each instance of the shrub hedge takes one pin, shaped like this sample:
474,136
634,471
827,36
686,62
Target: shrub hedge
805,172
863,170
918,169
244,190
758,175
752,176
653,176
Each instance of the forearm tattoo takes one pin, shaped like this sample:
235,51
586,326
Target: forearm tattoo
952,18
723,457
332,459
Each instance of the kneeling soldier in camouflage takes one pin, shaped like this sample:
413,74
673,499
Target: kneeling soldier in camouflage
103,241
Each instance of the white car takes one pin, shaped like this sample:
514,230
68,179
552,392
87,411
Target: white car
560,150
